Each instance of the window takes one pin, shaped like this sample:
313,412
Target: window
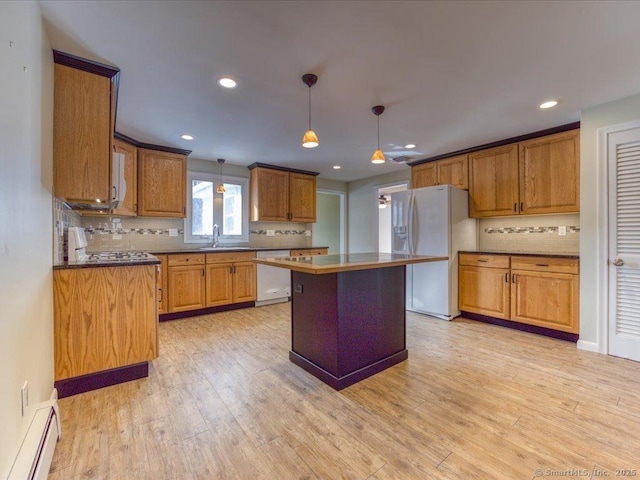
206,208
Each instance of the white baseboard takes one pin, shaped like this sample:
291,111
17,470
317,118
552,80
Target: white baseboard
588,346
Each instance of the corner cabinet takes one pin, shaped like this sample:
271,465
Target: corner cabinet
448,171
162,183
83,122
129,207
282,195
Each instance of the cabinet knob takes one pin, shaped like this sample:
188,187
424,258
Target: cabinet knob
618,262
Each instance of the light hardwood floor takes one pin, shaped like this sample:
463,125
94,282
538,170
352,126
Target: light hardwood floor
473,401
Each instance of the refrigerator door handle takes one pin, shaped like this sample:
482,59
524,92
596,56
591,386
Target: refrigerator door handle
412,202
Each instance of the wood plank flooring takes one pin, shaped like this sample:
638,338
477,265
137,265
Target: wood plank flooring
473,401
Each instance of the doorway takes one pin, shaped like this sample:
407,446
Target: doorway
329,229
383,214
622,146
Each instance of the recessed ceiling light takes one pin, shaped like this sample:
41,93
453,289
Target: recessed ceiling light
186,137
410,145
337,167
549,104
227,82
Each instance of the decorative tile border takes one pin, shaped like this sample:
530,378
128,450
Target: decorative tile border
570,229
279,232
125,231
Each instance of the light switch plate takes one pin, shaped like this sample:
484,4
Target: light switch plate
173,232
562,231
116,236
271,233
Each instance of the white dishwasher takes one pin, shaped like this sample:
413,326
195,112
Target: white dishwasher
274,284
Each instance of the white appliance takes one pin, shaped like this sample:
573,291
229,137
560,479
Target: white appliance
76,243
432,221
274,283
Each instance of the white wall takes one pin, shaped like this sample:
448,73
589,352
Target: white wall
593,204
363,205
26,241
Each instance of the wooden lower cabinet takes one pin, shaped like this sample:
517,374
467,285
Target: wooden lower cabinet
104,318
186,282
484,290
540,291
230,278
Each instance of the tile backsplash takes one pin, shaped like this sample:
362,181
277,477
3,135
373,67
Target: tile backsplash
531,233
63,218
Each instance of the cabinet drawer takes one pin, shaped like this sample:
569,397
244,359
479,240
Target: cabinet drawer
308,252
186,259
230,257
493,261
545,264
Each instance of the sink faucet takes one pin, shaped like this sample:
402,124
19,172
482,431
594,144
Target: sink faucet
216,235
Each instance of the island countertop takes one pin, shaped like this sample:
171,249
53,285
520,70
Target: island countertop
321,264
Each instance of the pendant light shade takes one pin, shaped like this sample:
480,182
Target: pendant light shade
220,188
310,139
378,155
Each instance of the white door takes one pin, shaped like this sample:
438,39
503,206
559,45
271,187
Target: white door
623,149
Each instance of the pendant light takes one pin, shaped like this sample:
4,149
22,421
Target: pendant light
220,188
310,139
378,156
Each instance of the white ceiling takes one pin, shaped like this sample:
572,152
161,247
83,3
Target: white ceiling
451,74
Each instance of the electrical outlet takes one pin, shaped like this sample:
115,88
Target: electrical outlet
24,392
271,233
562,231
173,232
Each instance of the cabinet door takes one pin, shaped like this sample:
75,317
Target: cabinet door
162,183
454,171
244,282
493,182
545,299
550,174
269,195
425,175
219,284
302,197
186,288
484,290
129,206
162,284
81,135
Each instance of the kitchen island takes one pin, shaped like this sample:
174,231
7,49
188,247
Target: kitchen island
348,318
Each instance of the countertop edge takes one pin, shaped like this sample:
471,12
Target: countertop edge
523,254
294,264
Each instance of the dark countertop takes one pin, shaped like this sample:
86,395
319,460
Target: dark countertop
151,260
523,254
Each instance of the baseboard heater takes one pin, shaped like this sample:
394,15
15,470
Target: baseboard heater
36,452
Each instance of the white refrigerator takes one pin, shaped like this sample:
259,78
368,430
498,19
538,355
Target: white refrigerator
432,221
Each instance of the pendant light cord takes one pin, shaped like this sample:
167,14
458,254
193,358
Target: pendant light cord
309,108
378,132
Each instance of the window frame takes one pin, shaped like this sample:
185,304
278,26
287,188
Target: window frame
217,209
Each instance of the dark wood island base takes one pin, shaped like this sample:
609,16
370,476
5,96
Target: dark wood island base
347,326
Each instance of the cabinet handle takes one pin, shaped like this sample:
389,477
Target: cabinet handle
203,272
521,206
161,295
482,260
513,278
115,192
542,264
506,277
515,207
231,269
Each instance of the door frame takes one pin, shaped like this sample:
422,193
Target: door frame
602,273
343,215
376,215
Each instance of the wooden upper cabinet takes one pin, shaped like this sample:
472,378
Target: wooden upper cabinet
269,195
129,205
279,195
448,171
302,197
550,174
424,175
82,132
162,183
454,171
493,182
